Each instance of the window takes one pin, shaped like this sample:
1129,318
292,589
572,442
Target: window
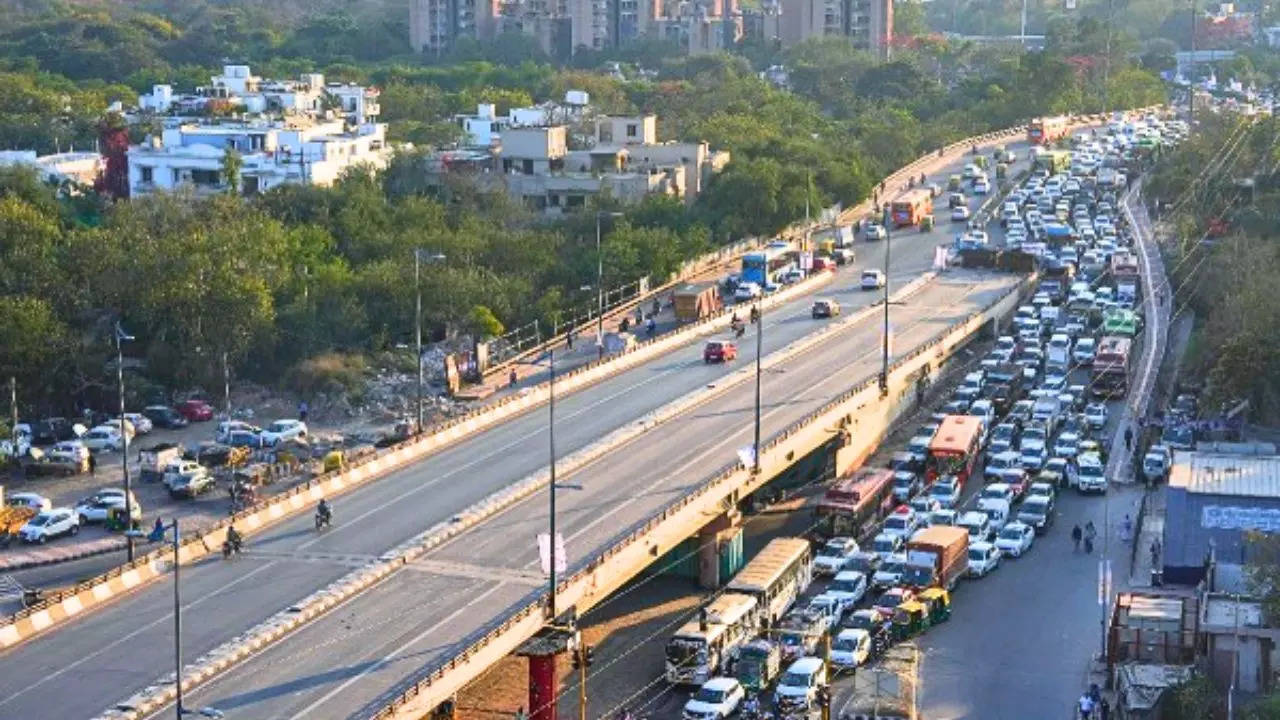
206,177
526,167
632,130
146,174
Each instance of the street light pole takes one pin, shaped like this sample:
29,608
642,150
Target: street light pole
417,328
886,221
124,449
551,434
759,352
177,623
599,287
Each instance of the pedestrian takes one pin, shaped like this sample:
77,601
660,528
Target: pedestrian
568,339
1090,532
651,327
157,530
1086,706
93,464
1127,528
1088,545
514,377
1104,709
302,410
1155,552
1076,534
1128,439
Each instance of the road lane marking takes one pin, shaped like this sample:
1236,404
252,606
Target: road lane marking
389,657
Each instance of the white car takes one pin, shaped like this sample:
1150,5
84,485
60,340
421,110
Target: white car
947,493
849,586
50,524
832,556
141,423
886,544
70,451
983,558
1015,538
872,279
1095,414
981,186
97,508
282,430
875,231
35,501
103,438
1067,445
960,212
747,291
227,427
890,571
1091,474
1084,351
850,648
717,698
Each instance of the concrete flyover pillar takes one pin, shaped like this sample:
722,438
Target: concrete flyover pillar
542,687
719,549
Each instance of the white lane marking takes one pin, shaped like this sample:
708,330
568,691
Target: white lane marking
389,657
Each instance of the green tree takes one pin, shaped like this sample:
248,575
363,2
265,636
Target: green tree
232,162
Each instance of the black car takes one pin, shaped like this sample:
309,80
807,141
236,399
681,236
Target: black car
163,416
51,430
1038,512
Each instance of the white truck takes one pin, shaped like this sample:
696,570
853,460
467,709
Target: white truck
1058,354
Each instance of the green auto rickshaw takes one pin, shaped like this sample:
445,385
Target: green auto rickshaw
910,619
937,602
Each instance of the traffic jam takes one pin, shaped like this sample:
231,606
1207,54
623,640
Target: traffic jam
975,485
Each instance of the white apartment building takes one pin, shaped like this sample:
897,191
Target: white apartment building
237,86
484,128
76,167
273,153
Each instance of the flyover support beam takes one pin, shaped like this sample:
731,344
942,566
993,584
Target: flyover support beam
715,549
542,687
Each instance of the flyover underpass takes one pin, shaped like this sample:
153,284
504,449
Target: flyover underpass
354,660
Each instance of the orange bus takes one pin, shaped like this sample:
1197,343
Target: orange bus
1046,131
912,207
955,448
853,502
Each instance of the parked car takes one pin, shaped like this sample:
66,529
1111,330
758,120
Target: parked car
35,501
164,417
50,524
282,430
226,427
103,438
718,351
191,484
51,430
97,507
195,410
141,423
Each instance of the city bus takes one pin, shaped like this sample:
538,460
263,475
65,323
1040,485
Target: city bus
758,267
776,576
852,503
1124,267
1111,367
1120,322
1046,131
911,207
955,448
699,649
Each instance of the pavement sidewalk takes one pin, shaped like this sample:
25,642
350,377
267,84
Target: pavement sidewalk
46,555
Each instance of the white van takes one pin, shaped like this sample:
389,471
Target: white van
798,686
997,512
978,525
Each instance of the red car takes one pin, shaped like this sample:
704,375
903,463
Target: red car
719,351
195,410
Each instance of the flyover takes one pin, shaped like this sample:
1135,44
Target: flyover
125,646
355,660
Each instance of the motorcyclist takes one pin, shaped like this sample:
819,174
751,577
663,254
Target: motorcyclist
323,510
755,314
233,542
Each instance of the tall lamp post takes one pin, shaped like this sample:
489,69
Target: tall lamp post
122,337
157,535
886,222
600,215
418,255
755,445
550,358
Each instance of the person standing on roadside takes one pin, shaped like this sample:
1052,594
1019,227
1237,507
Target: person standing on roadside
1076,534
93,464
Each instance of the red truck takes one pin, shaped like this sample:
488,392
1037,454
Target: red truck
937,556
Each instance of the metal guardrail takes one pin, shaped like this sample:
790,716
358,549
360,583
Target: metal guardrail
662,516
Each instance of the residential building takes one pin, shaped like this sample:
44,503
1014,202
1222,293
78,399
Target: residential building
867,23
437,25
484,128
237,89
1217,493
702,26
272,153
76,167
626,162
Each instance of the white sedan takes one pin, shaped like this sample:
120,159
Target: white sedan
1096,415
1015,538
717,698
282,430
103,438
960,212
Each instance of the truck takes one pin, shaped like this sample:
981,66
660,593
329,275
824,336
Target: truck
937,556
695,301
886,690
153,460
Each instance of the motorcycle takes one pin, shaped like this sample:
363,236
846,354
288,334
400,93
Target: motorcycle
739,329
231,546
323,519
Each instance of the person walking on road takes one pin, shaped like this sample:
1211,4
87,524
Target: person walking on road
93,464
1127,528
514,378
568,339
1128,439
1155,552
1075,537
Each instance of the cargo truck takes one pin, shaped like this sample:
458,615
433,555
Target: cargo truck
695,301
937,557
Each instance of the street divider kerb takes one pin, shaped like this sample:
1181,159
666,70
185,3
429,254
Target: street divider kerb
586,585
62,606
225,656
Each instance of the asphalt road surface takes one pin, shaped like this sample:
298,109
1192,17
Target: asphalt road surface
108,654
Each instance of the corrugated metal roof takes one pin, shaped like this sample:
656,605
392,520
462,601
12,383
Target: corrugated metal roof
1226,474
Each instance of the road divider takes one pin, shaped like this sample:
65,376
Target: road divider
225,656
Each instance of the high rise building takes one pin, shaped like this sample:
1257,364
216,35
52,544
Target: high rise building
436,25
867,23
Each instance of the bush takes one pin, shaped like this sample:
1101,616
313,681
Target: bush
328,374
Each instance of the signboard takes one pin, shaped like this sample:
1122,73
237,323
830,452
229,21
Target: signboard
544,554
1230,517
806,261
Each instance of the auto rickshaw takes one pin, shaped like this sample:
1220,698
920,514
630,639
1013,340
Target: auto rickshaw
955,182
1002,170
117,519
334,460
926,223
938,603
981,161
910,619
